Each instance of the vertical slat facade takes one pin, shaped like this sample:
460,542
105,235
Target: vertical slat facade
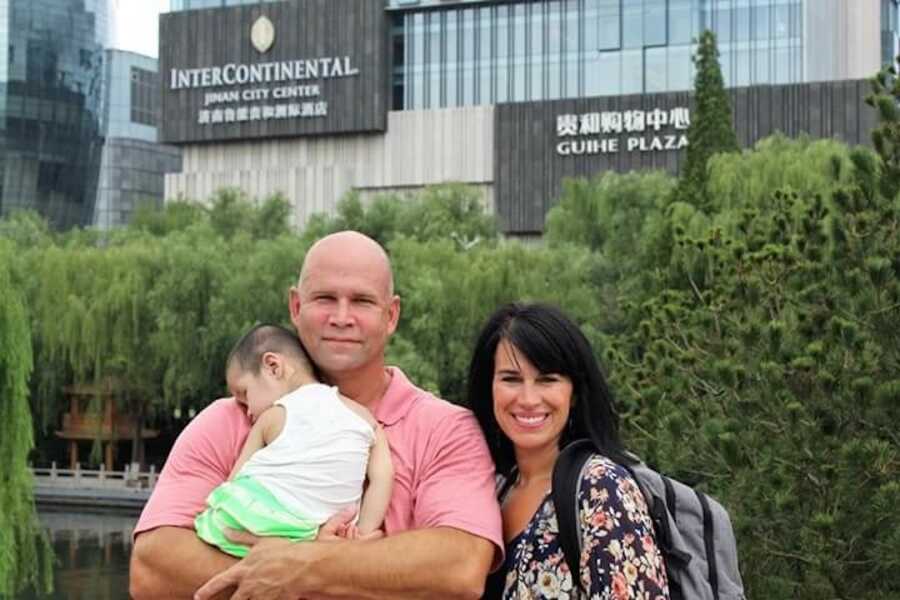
529,172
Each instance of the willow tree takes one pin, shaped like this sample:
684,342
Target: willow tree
92,318
24,551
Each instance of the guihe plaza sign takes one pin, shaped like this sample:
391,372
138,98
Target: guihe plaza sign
270,70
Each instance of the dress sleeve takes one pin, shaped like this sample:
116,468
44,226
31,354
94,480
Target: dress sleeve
200,459
620,558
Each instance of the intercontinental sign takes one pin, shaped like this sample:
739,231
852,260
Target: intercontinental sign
289,70
311,76
276,102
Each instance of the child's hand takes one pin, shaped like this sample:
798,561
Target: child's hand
335,528
351,532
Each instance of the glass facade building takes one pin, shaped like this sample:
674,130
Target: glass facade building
176,5
448,53
133,164
547,49
51,106
890,30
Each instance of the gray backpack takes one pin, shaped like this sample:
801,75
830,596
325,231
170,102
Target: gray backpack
692,530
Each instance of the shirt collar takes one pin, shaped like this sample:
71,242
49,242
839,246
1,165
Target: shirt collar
398,398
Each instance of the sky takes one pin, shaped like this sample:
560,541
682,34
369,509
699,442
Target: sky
135,25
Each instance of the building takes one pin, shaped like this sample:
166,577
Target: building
51,106
313,98
133,164
74,146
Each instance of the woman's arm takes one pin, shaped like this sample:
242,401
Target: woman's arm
618,549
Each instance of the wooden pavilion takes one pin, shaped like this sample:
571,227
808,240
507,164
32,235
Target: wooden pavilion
109,426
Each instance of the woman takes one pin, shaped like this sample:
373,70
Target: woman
535,386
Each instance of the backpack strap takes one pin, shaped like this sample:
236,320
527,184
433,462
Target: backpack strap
710,543
671,500
508,481
566,482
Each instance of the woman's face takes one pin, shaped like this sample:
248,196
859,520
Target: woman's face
531,408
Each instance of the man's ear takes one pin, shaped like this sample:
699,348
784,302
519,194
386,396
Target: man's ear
393,314
294,305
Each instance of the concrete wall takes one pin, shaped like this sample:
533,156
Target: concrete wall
419,148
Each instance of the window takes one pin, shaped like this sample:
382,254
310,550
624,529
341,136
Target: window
655,27
144,97
604,25
680,17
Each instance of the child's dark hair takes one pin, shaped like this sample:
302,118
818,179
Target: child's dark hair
247,353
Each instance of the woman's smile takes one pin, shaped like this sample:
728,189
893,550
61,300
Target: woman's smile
531,407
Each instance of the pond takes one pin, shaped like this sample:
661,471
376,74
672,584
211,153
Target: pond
91,550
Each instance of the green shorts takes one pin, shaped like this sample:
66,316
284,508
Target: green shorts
245,505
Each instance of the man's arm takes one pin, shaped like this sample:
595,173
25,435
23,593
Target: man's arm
428,563
168,559
165,550
457,535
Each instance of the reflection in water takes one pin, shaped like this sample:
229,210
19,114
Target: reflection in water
92,551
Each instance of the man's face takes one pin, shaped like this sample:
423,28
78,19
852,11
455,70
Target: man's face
344,312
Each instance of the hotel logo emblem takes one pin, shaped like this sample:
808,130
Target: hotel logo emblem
262,34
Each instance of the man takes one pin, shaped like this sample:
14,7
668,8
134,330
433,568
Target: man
443,524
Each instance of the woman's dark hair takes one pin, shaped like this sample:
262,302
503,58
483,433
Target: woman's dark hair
553,344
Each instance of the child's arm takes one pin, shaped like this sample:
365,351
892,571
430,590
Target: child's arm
380,473
264,431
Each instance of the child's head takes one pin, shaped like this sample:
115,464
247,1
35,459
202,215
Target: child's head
264,365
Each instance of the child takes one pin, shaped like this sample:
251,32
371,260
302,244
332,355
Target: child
306,456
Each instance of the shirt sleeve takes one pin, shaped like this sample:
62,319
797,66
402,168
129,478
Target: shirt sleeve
456,485
200,459
619,551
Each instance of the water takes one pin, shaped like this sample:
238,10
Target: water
92,550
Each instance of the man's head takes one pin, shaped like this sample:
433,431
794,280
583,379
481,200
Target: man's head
343,306
264,365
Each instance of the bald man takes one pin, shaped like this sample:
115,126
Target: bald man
443,527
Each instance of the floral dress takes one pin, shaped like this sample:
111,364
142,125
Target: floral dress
619,558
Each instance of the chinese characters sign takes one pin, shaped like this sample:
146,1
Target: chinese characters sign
278,69
602,132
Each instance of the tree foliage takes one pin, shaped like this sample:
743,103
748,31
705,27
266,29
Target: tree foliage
24,550
760,357
711,130
752,339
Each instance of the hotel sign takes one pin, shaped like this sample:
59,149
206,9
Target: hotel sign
609,132
309,67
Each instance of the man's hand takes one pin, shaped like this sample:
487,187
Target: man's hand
264,574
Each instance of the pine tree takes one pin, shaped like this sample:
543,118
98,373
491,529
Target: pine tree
711,130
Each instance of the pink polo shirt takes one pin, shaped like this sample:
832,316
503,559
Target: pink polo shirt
443,474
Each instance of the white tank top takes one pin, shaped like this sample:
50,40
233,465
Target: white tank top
317,464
